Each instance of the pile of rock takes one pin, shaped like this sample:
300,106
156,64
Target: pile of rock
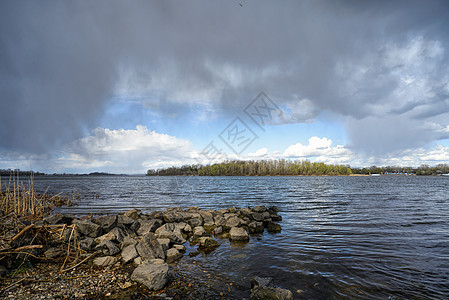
153,240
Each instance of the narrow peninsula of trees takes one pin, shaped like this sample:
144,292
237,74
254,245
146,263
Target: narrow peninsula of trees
280,167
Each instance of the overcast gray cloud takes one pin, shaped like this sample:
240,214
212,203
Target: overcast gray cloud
370,62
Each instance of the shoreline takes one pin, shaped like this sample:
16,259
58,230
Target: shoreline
116,256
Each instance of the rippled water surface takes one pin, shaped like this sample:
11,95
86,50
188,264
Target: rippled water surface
358,237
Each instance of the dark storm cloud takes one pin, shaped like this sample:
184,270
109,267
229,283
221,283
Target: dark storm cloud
62,60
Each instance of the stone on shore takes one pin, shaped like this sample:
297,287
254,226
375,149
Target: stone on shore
180,248
260,281
107,222
87,243
208,243
133,214
219,220
270,293
218,230
199,231
261,289
156,261
125,220
238,234
173,255
208,218
105,261
256,227
87,227
149,247
108,248
165,243
129,253
147,226
115,235
274,227
260,217
58,219
233,222
128,241
171,232
153,276
193,219
260,209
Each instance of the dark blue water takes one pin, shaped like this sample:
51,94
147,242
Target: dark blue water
357,237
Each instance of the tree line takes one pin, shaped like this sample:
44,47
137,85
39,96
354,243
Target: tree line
279,167
397,170
284,167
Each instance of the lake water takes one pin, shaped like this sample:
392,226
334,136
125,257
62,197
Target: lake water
357,237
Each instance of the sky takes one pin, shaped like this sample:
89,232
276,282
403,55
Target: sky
127,86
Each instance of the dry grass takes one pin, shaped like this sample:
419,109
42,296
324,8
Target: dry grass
21,200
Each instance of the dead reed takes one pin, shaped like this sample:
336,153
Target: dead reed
19,199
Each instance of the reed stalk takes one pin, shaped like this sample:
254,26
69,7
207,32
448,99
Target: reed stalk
19,199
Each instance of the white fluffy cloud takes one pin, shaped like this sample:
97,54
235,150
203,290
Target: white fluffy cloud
116,151
319,149
129,151
261,153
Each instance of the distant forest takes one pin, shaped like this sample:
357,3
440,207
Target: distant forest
284,167
255,168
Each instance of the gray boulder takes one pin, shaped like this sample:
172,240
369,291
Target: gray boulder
172,255
276,218
233,222
124,220
106,222
87,244
208,218
165,243
87,227
238,234
219,220
58,219
115,235
273,227
256,227
129,253
148,226
108,248
105,261
270,293
172,217
133,214
193,219
153,276
218,230
259,217
199,231
260,209
127,240
180,248
208,243
262,289
149,247
246,212
260,281
171,232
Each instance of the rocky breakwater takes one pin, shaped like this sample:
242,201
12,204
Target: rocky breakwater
150,242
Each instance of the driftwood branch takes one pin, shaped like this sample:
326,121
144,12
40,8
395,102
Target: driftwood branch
29,247
21,232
